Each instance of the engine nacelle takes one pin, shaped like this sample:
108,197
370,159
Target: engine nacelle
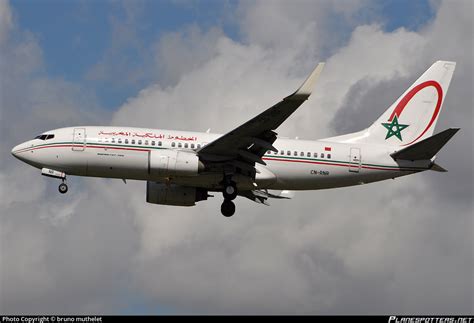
159,193
167,162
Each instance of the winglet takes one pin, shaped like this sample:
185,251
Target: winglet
307,87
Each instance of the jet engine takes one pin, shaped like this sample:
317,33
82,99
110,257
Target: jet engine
167,162
159,193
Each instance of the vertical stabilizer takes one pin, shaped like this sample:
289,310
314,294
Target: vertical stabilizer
413,116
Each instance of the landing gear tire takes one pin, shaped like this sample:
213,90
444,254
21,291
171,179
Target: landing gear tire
228,208
62,188
230,191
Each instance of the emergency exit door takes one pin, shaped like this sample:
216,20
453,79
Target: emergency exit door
355,160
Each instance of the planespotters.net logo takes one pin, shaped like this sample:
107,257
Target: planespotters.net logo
419,319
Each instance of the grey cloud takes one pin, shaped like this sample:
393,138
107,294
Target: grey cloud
281,26
80,264
365,102
179,52
6,21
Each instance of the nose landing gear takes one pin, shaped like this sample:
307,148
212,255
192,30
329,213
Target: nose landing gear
62,188
56,174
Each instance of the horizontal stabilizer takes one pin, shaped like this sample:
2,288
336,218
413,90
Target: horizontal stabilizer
285,194
438,168
427,148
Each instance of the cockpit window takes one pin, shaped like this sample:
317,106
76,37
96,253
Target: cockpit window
44,137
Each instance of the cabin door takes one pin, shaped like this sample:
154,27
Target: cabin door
79,139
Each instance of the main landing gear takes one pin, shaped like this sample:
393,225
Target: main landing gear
228,208
230,193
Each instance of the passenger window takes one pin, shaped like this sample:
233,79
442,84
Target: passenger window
146,142
322,155
329,156
186,145
113,140
152,142
315,155
288,153
308,154
199,146
133,141
126,141
276,152
179,145
302,154
100,139
173,144
295,153
282,152
119,140
139,142
159,143
192,146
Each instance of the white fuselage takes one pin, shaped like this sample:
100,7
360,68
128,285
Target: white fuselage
126,153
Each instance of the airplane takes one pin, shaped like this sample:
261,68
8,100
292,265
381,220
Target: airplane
181,167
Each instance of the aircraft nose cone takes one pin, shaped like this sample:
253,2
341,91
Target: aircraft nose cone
24,153
14,151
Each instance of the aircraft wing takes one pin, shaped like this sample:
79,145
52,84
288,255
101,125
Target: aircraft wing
248,143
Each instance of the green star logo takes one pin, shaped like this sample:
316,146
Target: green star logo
394,128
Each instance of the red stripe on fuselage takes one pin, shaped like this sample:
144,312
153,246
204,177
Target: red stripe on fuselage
87,146
329,163
265,158
305,161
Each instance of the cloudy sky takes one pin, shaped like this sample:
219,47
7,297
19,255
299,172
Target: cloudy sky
401,246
